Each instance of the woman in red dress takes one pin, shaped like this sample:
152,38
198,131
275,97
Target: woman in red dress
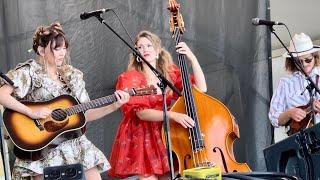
138,148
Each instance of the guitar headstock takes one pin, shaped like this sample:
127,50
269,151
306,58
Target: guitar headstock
144,91
176,20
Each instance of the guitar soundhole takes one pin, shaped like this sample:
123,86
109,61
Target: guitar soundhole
59,114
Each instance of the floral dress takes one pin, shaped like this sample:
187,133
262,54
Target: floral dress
138,148
32,83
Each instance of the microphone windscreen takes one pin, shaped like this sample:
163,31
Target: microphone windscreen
255,21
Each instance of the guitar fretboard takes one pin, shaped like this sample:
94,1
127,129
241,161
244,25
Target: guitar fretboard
94,103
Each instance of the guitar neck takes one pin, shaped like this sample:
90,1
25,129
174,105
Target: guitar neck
94,103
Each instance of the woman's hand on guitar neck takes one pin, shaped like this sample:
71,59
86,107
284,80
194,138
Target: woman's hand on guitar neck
183,119
122,98
39,113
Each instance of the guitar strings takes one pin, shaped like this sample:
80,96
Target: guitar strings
62,113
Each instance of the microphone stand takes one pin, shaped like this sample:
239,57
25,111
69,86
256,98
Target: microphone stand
162,85
4,154
301,135
4,147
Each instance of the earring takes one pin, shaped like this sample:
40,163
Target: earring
137,58
157,56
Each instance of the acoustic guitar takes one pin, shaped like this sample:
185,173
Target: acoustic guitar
33,135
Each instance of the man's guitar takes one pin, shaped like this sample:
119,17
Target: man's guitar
33,135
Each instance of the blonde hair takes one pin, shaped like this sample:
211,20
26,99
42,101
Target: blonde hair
163,61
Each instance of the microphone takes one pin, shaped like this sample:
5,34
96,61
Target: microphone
86,15
257,22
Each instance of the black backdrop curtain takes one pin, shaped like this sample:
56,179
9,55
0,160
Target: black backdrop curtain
232,52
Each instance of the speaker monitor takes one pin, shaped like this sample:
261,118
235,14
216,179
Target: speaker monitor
67,172
257,176
287,157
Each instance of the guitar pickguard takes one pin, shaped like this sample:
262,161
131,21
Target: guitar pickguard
53,126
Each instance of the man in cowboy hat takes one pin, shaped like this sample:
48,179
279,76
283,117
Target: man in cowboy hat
291,93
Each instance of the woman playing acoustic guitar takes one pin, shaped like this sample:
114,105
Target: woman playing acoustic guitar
44,79
291,91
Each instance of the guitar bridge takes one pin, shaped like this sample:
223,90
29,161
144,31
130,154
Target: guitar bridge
38,124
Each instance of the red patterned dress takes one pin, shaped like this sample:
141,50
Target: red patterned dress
138,148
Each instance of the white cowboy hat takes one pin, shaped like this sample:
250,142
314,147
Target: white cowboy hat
300,45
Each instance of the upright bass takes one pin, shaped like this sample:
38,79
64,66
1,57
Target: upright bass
210,141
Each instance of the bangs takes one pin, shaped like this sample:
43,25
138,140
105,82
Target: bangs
59,41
